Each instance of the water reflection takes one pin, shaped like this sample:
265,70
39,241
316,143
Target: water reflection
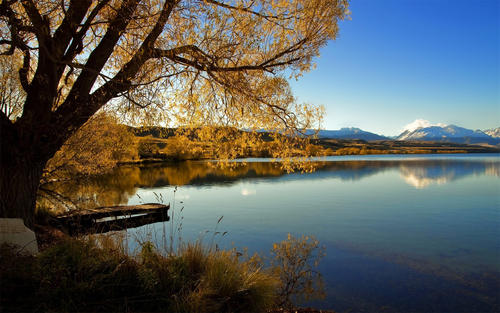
397,238
117,187
423,175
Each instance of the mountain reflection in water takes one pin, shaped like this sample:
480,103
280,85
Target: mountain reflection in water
121,184
403,233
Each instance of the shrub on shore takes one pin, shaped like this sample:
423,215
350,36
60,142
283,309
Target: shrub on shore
294,261
99,275
81,276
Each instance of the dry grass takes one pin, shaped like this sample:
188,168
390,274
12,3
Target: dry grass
79,275
99,274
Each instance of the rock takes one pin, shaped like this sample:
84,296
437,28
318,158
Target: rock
13,232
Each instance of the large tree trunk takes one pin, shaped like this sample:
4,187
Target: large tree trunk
21,167
19,181
25,147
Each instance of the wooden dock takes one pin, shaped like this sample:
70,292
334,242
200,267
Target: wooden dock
113,218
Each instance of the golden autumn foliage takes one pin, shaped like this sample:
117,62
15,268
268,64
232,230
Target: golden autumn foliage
95,148
205,62
218,63
222,143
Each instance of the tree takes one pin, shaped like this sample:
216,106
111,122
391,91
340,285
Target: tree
214,62
95,148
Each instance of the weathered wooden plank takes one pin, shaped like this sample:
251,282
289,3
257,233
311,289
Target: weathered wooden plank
104,219
116,211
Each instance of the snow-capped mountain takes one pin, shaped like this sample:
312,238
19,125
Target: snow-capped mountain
493,132
420,123
350,133
448,133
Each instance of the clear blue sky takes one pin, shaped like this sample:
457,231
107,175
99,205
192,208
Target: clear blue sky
399,60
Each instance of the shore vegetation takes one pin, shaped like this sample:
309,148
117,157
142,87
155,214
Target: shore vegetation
100,274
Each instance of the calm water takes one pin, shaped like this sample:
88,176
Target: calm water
402,233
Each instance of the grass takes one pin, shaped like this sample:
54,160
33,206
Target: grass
77,275
96,274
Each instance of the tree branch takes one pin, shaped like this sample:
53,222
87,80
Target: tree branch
67,30
121,81
99,56
23,71
242,9
205,63
15,26
77,42
41,27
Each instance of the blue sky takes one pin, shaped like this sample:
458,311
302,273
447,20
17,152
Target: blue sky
401,60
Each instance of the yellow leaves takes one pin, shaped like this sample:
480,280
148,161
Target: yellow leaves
96,148
231,78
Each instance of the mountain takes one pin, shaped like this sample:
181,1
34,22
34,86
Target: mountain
350,133
448,133
493,132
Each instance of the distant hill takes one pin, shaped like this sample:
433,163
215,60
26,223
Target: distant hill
493,132
349,133
154,131
449,133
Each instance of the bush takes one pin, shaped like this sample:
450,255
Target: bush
77,275
231,285
293,261
82,276
89,275
18,278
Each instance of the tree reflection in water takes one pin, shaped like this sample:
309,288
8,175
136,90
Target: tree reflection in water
118,186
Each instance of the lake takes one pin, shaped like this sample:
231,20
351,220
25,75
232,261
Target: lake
412,233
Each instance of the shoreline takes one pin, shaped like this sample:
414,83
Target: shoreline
349,149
